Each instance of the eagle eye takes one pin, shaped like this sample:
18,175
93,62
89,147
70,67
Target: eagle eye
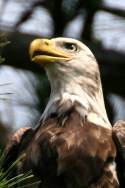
70,46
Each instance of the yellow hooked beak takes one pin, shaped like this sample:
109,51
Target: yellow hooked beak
44,51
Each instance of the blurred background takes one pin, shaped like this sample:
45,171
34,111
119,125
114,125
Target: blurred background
24,89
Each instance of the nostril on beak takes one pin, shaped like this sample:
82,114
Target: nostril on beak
46,42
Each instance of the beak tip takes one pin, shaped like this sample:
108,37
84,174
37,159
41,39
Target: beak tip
33,46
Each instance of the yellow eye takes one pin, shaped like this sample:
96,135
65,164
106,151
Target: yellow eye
70,46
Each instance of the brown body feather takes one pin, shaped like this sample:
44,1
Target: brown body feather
119,138
79,154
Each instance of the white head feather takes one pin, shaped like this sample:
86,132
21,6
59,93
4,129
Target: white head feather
76,80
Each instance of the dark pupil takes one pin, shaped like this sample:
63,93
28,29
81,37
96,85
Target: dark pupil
70,46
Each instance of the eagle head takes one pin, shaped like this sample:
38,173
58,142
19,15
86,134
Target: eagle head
73,74
64,56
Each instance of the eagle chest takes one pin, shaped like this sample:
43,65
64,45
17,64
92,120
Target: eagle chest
83,152
76,153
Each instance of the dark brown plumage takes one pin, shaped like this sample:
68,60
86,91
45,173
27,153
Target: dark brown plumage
119,138
79,154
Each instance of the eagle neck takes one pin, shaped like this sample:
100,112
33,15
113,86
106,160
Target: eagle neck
86,99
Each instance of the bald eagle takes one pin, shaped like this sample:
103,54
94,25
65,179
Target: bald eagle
73,146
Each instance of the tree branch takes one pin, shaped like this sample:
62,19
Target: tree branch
111,10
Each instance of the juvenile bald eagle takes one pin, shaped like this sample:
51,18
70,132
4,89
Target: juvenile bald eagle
72,147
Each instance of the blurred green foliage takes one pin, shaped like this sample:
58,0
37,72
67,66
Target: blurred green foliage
7,180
